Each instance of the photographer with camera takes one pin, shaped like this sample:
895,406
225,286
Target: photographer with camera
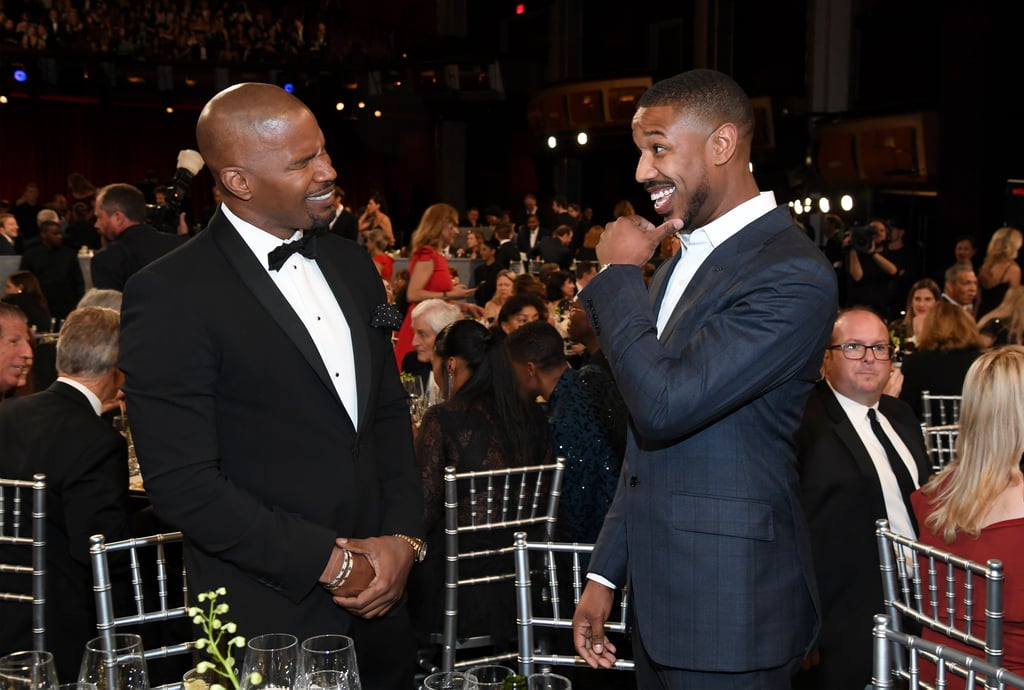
870,274
129,242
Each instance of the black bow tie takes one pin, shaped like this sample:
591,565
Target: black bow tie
305,246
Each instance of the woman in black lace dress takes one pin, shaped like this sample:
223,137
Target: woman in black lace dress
483,425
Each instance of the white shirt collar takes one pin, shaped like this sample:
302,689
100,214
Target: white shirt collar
97,404
728,224
851,406
260,242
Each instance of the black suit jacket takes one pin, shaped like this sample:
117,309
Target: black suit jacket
551,250
842,497
523,239
243,441
346,225
59,274
7,247
85,461
506,254
134,248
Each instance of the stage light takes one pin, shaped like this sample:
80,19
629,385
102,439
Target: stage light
339,106
20,76
582,139
552,142
289,87
823,205
846,202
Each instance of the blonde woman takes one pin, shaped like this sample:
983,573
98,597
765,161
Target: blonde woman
1000,270
974,507
1005,324
504,287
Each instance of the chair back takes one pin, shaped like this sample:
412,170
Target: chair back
514,498
941,444
937,589
977,672
23,526
556,617
148,607
940,409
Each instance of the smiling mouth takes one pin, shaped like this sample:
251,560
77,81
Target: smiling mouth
662,199
323,196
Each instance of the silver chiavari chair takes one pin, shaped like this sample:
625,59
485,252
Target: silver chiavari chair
941,444
556,618
934,588
939,410
144,609
510,499
890,645
18,532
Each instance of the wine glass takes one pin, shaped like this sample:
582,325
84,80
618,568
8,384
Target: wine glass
120,423
328,662
487,677
445,680
28,670
548,681
271,661
122,667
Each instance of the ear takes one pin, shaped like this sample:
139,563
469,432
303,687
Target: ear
235,181
531,369
724,141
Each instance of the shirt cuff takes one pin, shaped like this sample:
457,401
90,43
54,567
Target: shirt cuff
601,580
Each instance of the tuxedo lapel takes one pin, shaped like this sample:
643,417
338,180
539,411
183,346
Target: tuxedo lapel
850,439
659,282
255,277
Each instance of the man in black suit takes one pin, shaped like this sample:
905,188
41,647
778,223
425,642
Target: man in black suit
8,235
344,223
130,242
556,248
531,234
507,251
56,267
266,407
485,276
59,432
846,483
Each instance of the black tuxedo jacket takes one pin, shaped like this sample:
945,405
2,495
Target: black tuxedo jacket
346,225
506,254
134,248
523,239
85,461
842,496
243,441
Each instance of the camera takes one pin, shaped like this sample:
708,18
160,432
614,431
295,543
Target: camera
862,237
165,213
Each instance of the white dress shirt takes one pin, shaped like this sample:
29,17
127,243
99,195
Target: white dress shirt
698,244
895,508
303,285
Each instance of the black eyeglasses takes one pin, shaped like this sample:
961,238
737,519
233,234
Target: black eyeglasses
858,351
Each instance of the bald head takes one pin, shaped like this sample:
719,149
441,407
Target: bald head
239,114
267,155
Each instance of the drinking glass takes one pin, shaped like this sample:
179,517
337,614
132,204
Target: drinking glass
272,660
122,667
487,677
328,662
445,680
27,670
121,425
193,680
548,681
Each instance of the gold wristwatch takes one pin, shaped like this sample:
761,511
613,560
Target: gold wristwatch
419,546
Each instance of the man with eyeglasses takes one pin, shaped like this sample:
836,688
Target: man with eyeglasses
850,476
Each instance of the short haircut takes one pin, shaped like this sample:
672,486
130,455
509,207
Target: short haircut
517,302
101,297
47,224
124,198
9,311
712,97
88,342
955,270
47,214
562,231
436,313
538,342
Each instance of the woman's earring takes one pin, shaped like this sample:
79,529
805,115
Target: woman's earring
449,383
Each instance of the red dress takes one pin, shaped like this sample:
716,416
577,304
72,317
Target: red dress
440,281
385,264
1002,541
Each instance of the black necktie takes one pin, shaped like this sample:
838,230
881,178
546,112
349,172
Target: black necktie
305,246
899,468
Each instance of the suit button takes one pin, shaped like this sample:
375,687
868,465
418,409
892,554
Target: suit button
633,481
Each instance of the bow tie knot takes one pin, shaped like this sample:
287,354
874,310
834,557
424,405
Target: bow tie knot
305,246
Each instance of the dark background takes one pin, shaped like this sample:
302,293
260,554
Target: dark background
957,60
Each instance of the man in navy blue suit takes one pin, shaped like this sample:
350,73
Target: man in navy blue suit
715,363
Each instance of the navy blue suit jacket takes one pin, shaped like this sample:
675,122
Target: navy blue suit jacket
706,523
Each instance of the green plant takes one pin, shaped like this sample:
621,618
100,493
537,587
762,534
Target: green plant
222,663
